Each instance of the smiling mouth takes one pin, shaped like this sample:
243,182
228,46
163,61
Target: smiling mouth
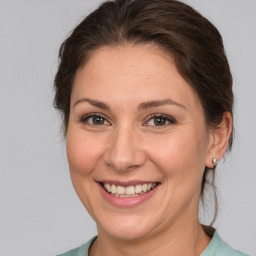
129,191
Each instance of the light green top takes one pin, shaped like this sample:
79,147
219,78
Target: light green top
217,247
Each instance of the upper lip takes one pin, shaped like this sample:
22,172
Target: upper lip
127,183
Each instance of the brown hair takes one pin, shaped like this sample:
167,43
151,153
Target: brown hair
195,44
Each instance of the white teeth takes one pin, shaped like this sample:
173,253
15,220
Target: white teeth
144,187
138,189
113,188
129,191
120,190
107,187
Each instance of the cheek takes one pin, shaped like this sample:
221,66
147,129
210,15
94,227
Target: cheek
181,154
83,153
180,159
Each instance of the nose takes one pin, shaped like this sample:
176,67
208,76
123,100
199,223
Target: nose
124,152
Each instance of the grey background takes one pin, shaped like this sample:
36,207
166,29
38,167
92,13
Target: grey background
40,213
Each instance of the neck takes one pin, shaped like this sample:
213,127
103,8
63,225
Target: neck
181,239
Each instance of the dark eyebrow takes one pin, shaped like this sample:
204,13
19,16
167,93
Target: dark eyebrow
157,103
95,103
142,106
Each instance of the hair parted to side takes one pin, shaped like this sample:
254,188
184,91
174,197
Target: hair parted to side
193,42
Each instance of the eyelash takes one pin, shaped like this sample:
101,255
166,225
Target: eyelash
163,116
85,118
169,119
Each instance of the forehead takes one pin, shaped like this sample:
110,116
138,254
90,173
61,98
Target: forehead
132,72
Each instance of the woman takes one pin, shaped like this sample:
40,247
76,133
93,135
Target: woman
146,94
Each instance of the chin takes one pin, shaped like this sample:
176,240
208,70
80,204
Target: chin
132,228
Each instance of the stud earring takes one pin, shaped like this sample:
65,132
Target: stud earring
214,161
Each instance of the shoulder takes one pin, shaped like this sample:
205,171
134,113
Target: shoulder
218,247
79,251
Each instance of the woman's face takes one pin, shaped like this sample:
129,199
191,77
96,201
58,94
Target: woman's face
137,128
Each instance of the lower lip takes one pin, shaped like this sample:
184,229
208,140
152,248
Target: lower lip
127,201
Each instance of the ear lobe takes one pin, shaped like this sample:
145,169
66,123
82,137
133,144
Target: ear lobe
219,138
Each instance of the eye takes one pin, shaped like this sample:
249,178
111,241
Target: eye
160,120
94,119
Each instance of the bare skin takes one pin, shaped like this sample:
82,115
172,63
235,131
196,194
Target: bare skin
162,244
134,118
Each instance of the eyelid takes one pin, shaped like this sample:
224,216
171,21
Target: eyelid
170,119
93,114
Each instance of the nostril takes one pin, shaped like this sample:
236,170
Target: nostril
124,152
125,161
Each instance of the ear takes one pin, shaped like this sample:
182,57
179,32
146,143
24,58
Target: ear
218,139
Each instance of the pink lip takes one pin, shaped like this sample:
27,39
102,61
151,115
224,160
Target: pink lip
126,201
